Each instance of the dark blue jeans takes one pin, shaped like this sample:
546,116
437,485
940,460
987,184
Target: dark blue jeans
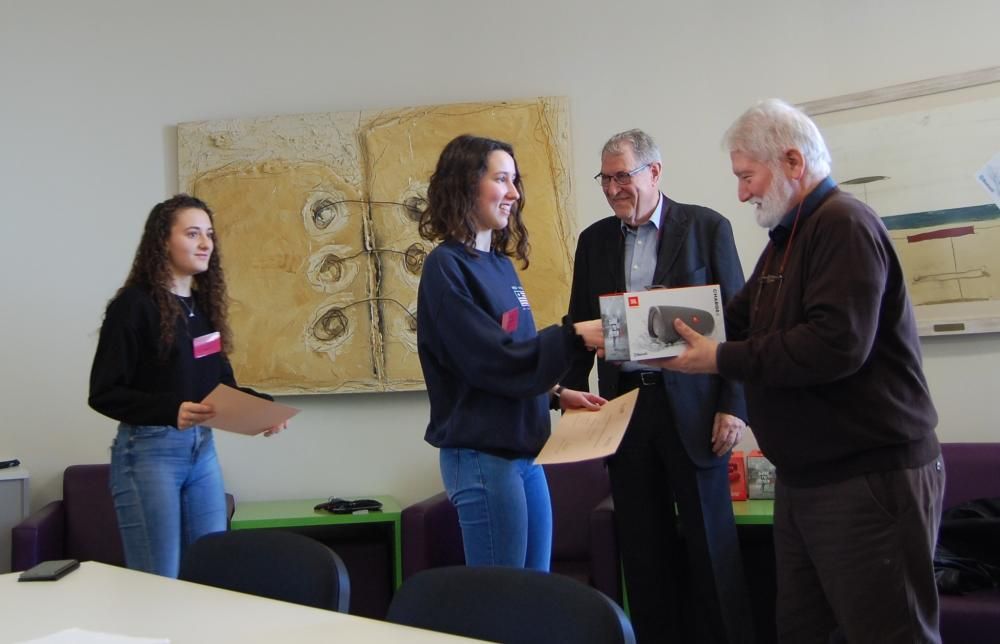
503,508
167,490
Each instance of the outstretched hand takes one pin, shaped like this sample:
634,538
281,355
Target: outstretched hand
591,332
573,399
698,357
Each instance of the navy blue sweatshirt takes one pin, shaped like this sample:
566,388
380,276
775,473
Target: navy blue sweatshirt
488,387
130,383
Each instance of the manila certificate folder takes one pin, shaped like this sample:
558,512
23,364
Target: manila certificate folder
240,412
582,435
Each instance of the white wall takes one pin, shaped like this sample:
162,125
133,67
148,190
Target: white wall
90,93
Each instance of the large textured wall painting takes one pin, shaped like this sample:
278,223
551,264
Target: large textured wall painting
317,218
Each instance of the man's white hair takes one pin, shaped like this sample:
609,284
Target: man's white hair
770,128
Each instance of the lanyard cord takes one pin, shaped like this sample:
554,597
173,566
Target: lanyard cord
788,250
765,278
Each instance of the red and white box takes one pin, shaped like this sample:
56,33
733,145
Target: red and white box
737,476
640,325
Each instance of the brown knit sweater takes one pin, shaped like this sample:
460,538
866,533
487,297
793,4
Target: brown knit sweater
829,354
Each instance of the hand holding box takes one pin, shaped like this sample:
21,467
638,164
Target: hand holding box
640,325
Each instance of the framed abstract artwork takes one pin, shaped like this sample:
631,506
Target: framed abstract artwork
916,153
317,218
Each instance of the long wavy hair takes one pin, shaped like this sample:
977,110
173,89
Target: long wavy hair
451,198
151,272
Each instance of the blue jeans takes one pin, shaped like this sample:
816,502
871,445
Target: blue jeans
503,508
167,490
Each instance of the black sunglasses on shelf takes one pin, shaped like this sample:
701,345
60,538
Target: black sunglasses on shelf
343,506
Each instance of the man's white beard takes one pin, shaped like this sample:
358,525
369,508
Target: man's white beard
776,202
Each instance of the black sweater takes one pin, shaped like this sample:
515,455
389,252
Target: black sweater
831,360
130,383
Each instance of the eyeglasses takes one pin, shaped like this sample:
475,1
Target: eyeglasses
621,178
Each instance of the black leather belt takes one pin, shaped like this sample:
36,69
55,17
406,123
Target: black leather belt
640,378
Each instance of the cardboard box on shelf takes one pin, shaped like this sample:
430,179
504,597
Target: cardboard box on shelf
760,476
737,476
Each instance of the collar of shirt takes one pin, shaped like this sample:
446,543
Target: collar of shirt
654,218
779,234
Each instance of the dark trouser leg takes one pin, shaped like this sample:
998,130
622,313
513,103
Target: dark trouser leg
803,615
721,607
646,525
865,545
684,589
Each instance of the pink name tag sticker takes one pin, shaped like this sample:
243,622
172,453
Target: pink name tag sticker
206,345
509,320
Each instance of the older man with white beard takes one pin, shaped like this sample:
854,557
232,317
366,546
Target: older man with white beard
824,339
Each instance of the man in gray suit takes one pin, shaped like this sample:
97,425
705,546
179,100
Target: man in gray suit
683,571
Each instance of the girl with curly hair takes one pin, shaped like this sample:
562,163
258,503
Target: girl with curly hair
490,376
163,348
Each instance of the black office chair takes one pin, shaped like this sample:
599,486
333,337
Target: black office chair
270,563
509,605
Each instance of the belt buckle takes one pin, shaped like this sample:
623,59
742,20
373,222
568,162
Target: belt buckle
648,377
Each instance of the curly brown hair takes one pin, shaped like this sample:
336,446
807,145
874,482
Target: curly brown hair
451,198
151,272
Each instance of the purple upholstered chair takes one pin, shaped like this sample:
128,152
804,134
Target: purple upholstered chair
584,545
972,471
82,525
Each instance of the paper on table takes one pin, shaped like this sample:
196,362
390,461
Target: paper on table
989,178
582,435
81,636
237,411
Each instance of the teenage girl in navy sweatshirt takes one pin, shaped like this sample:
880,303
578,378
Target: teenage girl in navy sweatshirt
162,349
489,374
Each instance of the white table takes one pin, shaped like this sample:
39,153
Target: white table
99,597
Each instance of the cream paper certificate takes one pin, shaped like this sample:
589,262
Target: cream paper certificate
582,435
240,412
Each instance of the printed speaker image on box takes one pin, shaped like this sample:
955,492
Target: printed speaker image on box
760,476
640,325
